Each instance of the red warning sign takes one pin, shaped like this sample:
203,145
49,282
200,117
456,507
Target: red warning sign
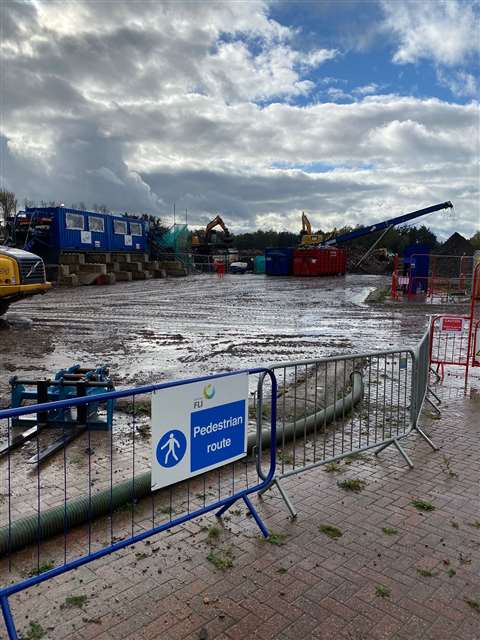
452,325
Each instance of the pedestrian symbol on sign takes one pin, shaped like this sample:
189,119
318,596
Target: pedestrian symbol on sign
171,448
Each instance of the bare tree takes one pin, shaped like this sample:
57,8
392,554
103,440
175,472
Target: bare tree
8,204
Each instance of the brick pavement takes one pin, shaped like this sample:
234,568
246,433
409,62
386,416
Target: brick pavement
422,581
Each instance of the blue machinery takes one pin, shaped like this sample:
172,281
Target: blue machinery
74,382
220,505
385,224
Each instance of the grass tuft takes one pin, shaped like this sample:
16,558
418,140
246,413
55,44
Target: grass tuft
221,559
213,534
382,592
333,467
285,457
423,505
278,539
352,485
34,632
425,573
74,601
330,531
389,531
474,604
41,569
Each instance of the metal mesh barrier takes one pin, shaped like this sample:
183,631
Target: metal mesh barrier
332,408
95,494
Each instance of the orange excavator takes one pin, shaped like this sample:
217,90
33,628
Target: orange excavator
205,241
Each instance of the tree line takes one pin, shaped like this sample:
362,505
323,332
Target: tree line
394,241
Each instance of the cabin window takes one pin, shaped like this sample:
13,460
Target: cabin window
96,224
120,227
136,229
74,221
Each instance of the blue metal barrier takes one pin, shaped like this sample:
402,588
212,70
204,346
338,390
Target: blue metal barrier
221,505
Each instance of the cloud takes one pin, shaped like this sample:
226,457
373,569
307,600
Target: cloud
338,94
445,32
366,89
194,103
460,83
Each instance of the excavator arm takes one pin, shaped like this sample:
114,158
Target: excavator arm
216,222
306,226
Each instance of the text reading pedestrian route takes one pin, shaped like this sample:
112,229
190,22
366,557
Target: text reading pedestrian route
198,427
217,434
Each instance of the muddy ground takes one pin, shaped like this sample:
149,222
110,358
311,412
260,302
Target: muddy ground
152,331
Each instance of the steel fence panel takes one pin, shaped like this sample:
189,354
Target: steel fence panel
90,495
332,408
450,347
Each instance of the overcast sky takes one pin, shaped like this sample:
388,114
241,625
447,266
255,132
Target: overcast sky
350,110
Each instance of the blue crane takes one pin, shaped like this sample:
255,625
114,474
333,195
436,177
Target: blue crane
385,224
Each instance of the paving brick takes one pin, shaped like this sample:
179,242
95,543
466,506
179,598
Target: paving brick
310,587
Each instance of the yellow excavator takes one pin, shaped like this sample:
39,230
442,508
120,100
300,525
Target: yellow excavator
307,238
22,274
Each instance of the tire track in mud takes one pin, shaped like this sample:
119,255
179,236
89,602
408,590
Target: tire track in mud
151,330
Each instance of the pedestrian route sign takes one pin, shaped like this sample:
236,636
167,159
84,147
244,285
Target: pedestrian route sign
198,427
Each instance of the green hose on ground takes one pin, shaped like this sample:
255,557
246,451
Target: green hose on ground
77,511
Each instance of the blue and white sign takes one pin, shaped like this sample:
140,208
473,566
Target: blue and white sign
171,448
198,427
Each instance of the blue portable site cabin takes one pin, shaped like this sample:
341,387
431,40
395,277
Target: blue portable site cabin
49,231
127,234
279,262
53,230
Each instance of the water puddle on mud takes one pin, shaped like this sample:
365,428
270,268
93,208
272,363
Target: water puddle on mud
151,331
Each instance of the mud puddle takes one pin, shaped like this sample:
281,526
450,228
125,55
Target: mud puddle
164,329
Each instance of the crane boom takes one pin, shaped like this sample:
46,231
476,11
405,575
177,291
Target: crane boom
392,222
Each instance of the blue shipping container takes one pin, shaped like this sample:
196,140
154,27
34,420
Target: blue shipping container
279,262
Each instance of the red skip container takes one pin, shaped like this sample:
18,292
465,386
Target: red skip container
326,261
